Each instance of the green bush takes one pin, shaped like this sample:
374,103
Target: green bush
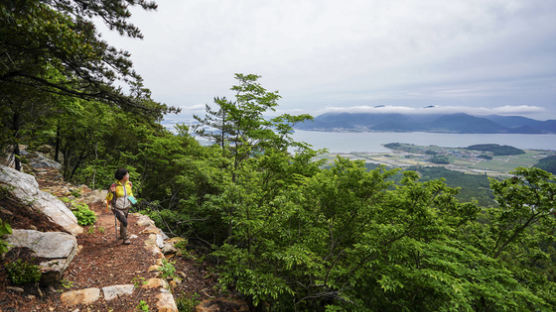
4,229
167,269
84,215
75,193
142,306
5,191
21,272
187,304
181,246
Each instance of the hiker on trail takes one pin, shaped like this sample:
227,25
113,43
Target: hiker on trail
119,197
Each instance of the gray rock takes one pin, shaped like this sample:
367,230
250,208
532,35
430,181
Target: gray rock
51,245
143,220
40,160
114,291
169,249
159,241
57,246
26,189
94,197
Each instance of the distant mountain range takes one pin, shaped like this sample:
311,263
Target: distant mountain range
441,123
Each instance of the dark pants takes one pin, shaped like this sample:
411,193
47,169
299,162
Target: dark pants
121,215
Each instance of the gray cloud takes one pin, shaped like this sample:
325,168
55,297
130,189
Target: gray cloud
326,53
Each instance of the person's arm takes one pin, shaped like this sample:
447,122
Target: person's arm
111,191
110,195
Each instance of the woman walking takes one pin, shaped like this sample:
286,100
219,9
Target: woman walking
119,197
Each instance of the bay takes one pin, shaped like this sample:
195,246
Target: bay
372,142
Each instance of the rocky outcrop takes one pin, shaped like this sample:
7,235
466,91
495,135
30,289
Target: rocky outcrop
40,160
56,248
26,189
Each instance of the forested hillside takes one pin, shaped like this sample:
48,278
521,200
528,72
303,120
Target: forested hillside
279,228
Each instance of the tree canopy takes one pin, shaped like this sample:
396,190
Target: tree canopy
281,229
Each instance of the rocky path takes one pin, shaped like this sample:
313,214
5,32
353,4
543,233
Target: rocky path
105,275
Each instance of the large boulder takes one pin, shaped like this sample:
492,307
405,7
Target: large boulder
26,189
40,160
93,197
57,249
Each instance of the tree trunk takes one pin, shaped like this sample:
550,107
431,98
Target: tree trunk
57,150
81,157
17,152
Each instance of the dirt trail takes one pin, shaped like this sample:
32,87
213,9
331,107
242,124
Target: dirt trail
102,261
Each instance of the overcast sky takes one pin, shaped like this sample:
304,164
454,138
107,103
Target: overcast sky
474,56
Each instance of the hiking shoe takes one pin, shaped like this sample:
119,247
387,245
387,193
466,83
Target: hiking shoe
127,242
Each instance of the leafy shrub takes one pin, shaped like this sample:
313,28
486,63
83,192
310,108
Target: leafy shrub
4,229
181,246
66,283
76,193
138,281
76,206
142,306
5,191
187,304
21,272
167,269
65,199
84,215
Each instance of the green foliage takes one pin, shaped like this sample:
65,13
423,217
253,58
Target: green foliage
66,284
76,193
496,149
186,303
167,269
547,164
181,247
5,191
440,159
65,199
470,186
84,215
5,228
142,306
138,281
93,228
21,272
289,234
